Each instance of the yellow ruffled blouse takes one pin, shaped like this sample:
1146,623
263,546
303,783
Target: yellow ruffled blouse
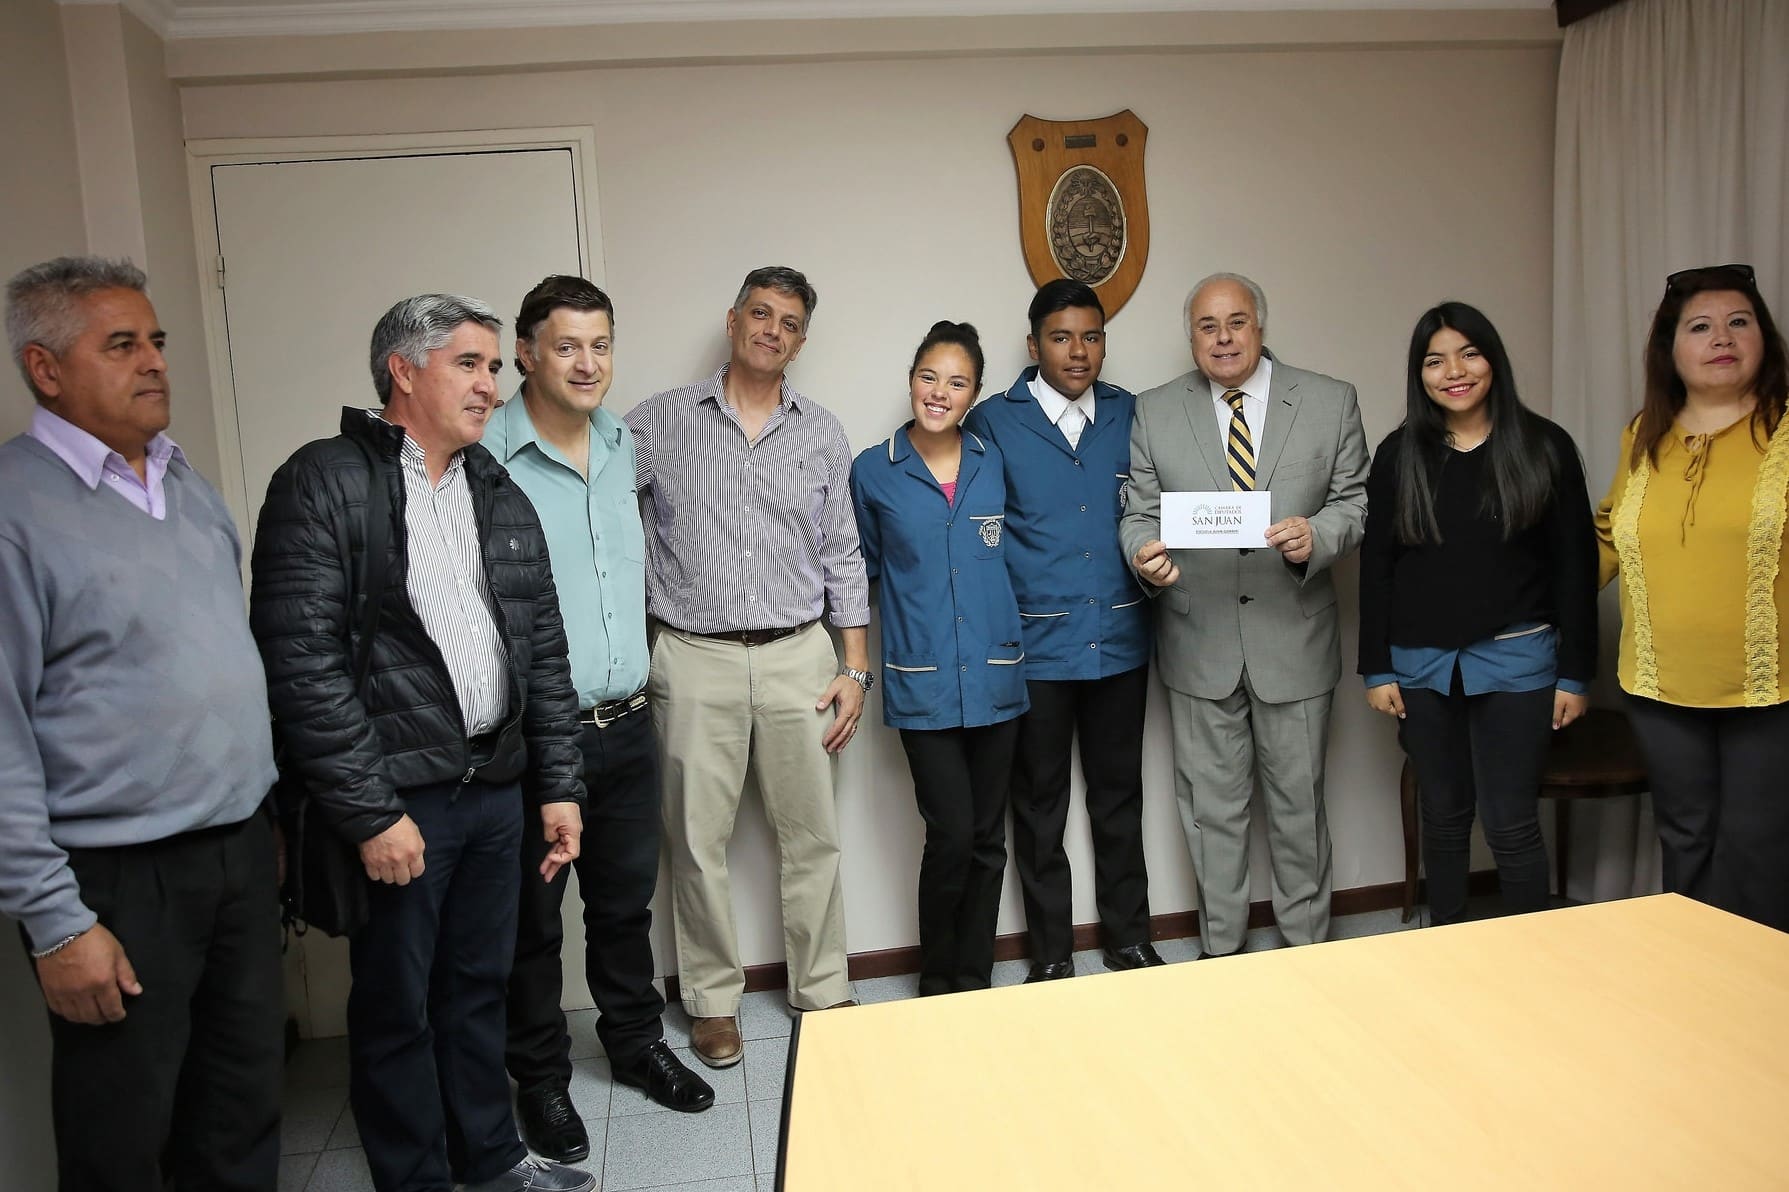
1698,544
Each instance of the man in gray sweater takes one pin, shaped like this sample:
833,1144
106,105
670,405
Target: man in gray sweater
134,758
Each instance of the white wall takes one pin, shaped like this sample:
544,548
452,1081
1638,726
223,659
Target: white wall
175,267
1359,185
133,193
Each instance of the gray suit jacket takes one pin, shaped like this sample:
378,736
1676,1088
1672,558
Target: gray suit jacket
1236,607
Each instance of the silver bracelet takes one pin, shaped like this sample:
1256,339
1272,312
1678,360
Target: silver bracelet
58,945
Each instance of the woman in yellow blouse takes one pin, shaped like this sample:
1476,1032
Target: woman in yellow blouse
1694,526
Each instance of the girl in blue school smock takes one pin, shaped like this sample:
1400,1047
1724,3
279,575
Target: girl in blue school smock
931,511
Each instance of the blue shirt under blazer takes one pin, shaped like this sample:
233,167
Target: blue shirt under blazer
1083,613
952,652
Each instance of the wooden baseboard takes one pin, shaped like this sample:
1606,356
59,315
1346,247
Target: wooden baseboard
892,962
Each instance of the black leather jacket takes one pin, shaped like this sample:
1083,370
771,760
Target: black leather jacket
355,758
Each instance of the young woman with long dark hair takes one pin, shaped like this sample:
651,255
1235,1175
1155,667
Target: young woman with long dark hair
1477,602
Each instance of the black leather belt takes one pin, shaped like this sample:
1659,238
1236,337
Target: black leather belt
754,637
605,714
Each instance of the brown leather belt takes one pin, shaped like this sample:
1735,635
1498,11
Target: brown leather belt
754,637
605,714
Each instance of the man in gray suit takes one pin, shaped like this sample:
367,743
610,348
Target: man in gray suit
1246,640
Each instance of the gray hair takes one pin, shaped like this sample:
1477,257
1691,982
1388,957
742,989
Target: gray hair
43,303
417,326
783,280
1247,283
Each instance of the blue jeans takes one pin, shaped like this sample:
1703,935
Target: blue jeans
426,1012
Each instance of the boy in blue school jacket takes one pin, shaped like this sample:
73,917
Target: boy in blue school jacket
1065,439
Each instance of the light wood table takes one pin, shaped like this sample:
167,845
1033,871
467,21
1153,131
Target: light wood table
1617,1046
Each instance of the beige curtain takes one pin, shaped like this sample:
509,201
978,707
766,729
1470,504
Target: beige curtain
1669,153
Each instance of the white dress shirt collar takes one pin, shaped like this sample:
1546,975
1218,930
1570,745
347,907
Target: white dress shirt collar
1055,405
1257,386
1254,402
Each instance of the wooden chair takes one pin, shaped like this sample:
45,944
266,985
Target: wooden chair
1593,759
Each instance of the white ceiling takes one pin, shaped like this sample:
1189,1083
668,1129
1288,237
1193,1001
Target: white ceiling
237,18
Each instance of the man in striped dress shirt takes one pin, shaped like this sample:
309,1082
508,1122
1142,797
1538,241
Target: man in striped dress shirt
467,719
750,537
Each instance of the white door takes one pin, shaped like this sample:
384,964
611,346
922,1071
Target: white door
313,252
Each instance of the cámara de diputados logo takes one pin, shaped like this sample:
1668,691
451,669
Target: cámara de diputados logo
1216,518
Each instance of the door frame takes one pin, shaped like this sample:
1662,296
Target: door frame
203,155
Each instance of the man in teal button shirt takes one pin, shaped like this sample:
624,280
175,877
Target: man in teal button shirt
575,460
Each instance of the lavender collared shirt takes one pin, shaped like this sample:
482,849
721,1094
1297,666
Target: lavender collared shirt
95,463
746,534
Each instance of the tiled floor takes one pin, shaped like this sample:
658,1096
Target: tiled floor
634,1143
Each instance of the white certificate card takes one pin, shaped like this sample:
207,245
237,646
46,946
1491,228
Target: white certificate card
1203,520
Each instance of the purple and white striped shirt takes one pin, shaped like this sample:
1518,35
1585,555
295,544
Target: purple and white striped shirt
746,534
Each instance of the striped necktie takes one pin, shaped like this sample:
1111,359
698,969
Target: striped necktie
1239,452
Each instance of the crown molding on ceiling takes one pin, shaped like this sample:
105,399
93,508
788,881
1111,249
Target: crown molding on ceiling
419,53
159,15
181,21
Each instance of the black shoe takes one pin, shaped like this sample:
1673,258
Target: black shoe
551,1126
1135,956
666,1080
1051,972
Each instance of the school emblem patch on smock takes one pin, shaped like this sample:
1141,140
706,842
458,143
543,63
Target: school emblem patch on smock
990,533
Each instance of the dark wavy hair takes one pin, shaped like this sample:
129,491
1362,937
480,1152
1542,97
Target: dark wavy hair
1665,392
560,291
960,335
1522,464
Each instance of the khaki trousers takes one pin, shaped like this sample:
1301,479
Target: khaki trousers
1220,747
723,711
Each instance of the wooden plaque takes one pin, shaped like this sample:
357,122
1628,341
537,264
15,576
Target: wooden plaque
1083,211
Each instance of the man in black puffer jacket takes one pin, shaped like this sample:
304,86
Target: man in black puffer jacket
468,710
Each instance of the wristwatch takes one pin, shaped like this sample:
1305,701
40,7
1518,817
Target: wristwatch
864,679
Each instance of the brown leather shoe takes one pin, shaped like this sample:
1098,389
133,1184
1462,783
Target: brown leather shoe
835,1006
716,1041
